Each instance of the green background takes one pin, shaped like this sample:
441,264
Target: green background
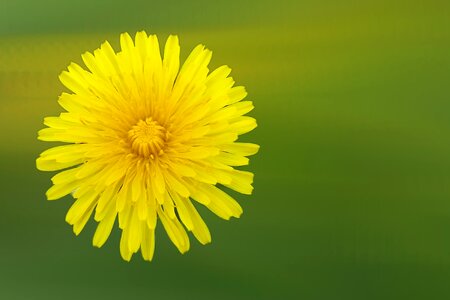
352,194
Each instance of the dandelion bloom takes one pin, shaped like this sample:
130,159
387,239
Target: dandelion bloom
146,139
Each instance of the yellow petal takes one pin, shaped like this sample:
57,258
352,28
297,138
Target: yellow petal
58,123
221,203
92,64
236,94
148,244
72,103
182,169
65,153
74,83
243,125
65,176
197,194
105,226
151,217
232,159
141,206
124,249
176,185
132,62
183,211
124,194
193,72
200,230
196,153
153,65
136,187
135,231
107,198
243,107
171,61
158,181
169,207
217,76
141,44
81,206
175,231
124,216
81,222
244,149
45,164
107,59
241,181
60,190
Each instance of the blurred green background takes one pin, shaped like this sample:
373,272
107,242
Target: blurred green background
352,194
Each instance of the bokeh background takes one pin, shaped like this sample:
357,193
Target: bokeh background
352,194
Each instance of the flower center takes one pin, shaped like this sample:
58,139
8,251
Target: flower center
147,138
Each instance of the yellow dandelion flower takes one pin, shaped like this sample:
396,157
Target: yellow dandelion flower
146,139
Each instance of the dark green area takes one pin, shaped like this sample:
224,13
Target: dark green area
352,194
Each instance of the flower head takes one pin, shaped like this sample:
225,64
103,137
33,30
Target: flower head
146,140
